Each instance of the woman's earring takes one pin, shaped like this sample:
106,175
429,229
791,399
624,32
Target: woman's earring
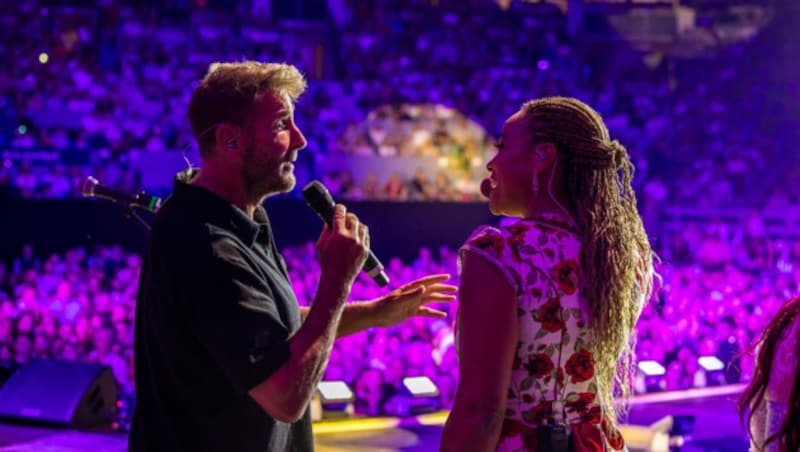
535,186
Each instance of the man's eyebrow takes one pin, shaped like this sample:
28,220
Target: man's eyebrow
287,106
286,111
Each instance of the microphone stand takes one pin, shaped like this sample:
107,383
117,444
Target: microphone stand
130,211
127,202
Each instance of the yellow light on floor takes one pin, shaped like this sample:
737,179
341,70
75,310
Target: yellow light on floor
44,58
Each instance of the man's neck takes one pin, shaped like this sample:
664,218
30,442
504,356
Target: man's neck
230,190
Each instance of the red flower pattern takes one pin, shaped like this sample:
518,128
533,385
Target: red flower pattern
536,368
540,365
550,316
593,415
518,229
491,243
517,362
580,366
518,232
560,378
566,276
540,412
582,403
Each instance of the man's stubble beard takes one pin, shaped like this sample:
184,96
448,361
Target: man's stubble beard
263,182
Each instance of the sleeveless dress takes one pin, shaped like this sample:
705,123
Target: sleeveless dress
553,377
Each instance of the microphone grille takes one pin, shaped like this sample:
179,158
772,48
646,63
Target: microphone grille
317,196
88,185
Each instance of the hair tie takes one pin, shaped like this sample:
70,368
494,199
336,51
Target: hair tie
617,152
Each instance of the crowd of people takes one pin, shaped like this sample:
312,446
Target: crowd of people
62,95
79,306
422,185
720,284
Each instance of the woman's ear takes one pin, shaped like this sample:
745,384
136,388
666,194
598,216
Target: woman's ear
544,154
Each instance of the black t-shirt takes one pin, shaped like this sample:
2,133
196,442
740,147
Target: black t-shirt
214,313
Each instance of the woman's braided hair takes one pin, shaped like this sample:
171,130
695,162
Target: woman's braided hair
616,258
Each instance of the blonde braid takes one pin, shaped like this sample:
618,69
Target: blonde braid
616,259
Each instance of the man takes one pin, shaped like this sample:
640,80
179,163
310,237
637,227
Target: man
225,359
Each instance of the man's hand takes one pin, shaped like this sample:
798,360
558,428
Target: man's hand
409,300
342,249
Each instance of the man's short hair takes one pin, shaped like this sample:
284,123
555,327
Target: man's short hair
229,92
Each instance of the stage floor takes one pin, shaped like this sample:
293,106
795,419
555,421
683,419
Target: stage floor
716,428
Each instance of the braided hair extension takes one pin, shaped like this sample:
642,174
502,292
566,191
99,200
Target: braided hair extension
616,258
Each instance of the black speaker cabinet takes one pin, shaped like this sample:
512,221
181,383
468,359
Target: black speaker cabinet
60,393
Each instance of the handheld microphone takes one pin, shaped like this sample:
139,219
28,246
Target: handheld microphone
320,200
91,188
486,188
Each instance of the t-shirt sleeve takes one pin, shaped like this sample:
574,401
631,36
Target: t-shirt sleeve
492,245
235,316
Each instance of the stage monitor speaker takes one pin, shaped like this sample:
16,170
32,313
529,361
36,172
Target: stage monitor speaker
60,393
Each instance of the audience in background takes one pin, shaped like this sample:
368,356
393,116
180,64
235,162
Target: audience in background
94,90
79,306
391,79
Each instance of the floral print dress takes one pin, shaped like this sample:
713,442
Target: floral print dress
553,371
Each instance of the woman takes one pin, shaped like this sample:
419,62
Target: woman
774,391
549,303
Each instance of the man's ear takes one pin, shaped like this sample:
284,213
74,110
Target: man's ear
227,136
